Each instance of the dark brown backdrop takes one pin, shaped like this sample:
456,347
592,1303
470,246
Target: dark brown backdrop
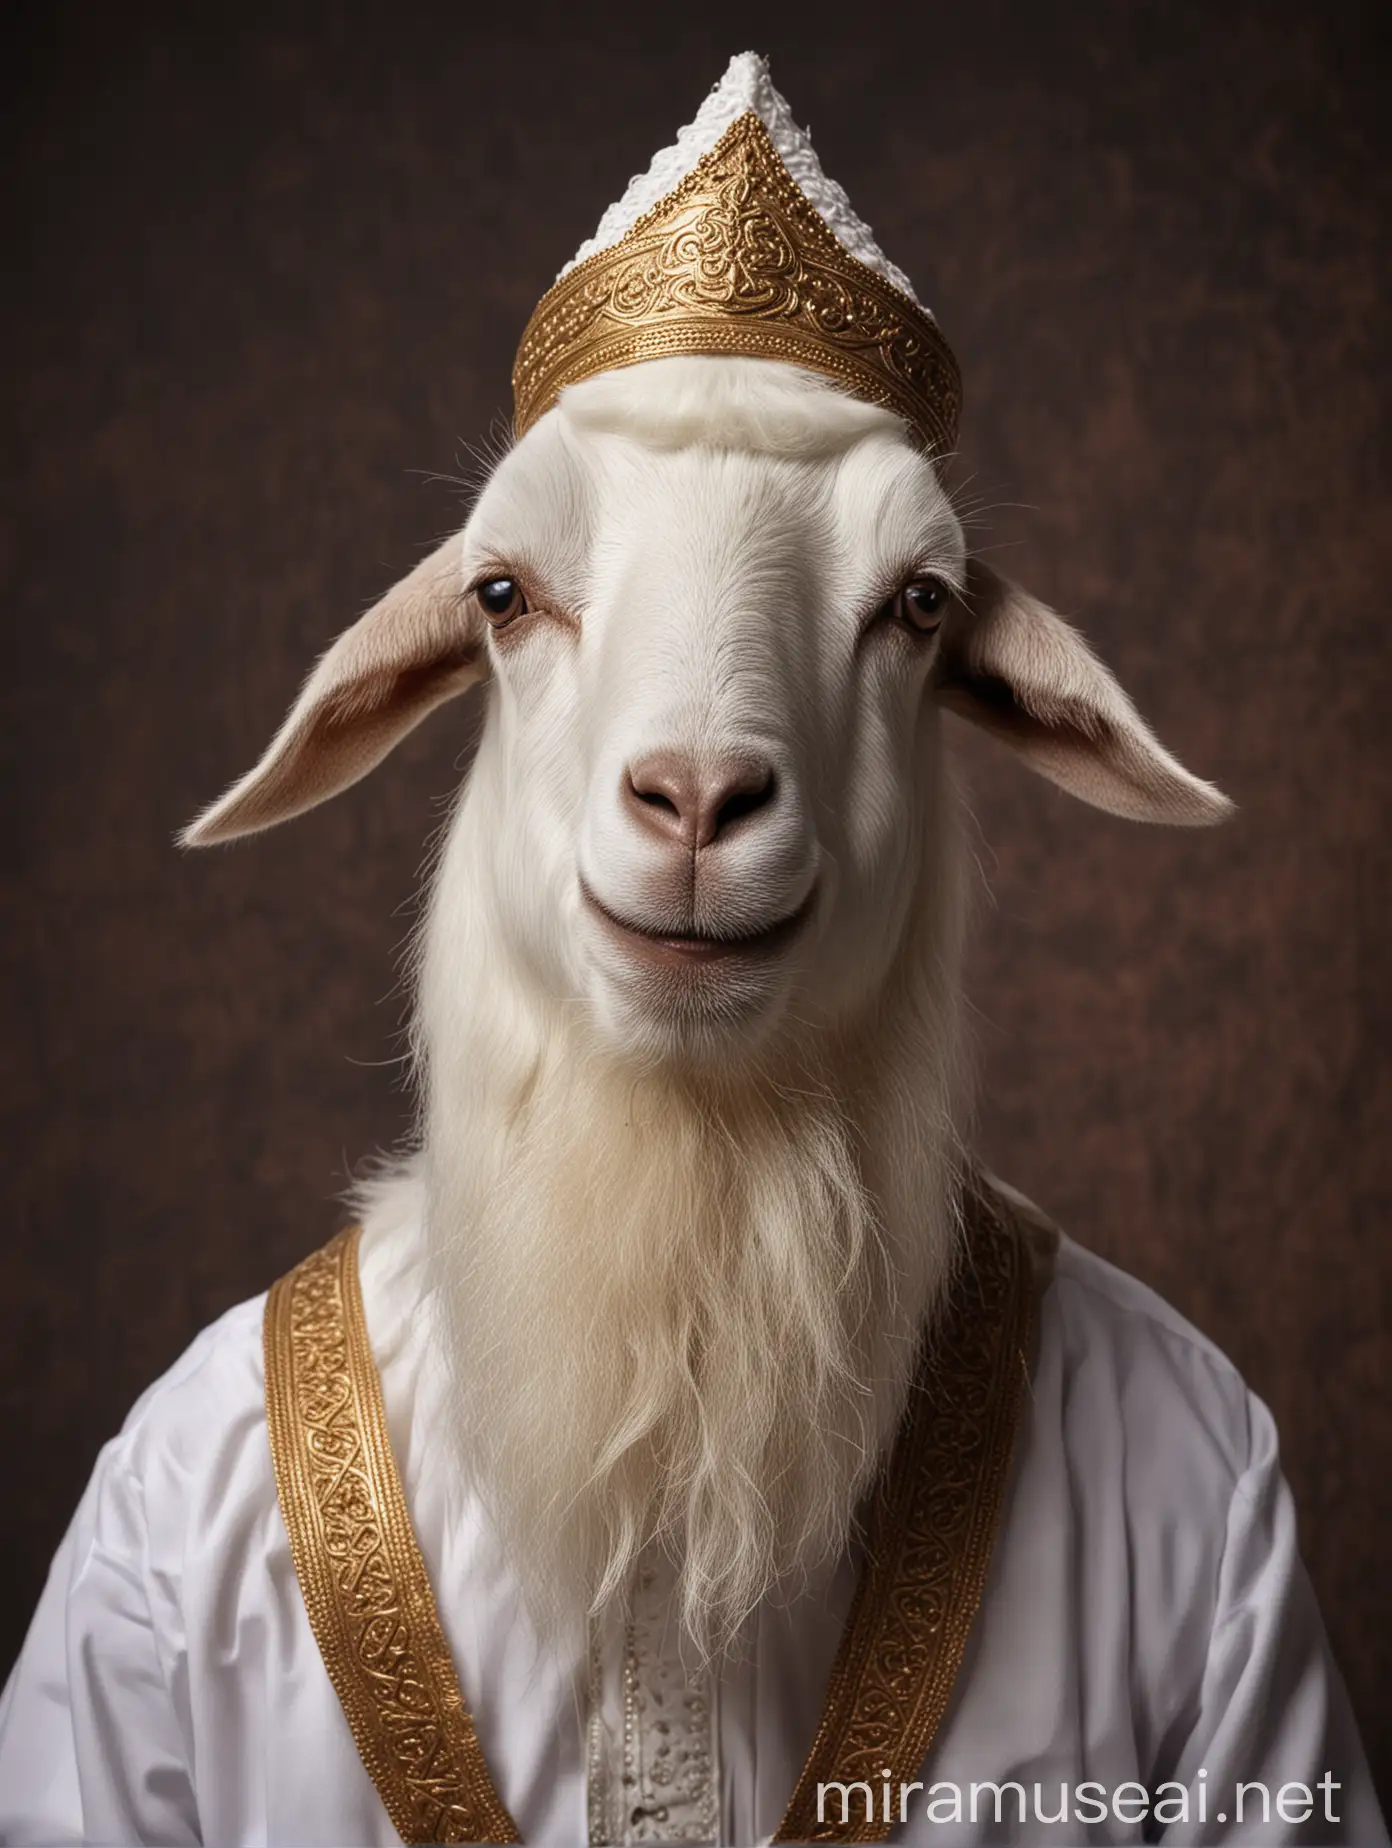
264,271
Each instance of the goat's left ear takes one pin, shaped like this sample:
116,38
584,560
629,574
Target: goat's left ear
1017,670
421,645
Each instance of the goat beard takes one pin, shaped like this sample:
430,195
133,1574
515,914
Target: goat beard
685,1315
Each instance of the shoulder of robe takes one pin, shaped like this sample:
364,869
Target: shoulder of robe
1162,1376
197,1436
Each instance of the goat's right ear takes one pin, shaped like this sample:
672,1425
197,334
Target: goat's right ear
421,645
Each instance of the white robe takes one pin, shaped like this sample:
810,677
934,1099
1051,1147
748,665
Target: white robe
1146,1620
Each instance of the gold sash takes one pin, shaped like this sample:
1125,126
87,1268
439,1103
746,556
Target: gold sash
931,1532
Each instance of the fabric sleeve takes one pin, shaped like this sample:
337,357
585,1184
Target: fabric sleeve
90,1747
1272,1713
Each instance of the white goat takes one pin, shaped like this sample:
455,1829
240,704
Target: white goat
688,990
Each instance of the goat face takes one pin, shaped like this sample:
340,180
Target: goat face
721,604
712,594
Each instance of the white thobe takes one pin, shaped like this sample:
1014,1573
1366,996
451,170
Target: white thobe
1146,1622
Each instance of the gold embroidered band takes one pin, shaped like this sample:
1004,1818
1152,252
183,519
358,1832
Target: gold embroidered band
360,1570
931,1536
735,260
932,1530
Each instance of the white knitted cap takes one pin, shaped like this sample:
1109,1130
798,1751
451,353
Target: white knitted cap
745,86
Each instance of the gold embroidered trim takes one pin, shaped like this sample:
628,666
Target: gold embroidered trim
361,1573
736,260
932,1530
931,1537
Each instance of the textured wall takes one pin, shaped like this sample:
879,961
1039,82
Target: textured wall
267,277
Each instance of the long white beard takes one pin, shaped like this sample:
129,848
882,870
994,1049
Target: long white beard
685,1314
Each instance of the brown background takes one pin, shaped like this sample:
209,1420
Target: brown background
264,272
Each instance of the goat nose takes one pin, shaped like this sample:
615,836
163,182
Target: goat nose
693,801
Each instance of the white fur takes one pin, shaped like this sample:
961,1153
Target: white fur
688,1240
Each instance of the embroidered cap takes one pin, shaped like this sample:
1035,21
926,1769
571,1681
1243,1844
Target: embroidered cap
734,242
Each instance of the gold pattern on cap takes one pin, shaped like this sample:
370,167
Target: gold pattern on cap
736,261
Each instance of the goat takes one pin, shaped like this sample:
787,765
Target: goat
688,988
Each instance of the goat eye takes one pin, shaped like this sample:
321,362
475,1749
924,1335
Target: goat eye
923,604
502,600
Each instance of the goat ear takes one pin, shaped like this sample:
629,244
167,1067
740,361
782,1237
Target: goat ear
421,645
1017,670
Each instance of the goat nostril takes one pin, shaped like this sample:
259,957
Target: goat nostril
658,791
654,798
742,802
